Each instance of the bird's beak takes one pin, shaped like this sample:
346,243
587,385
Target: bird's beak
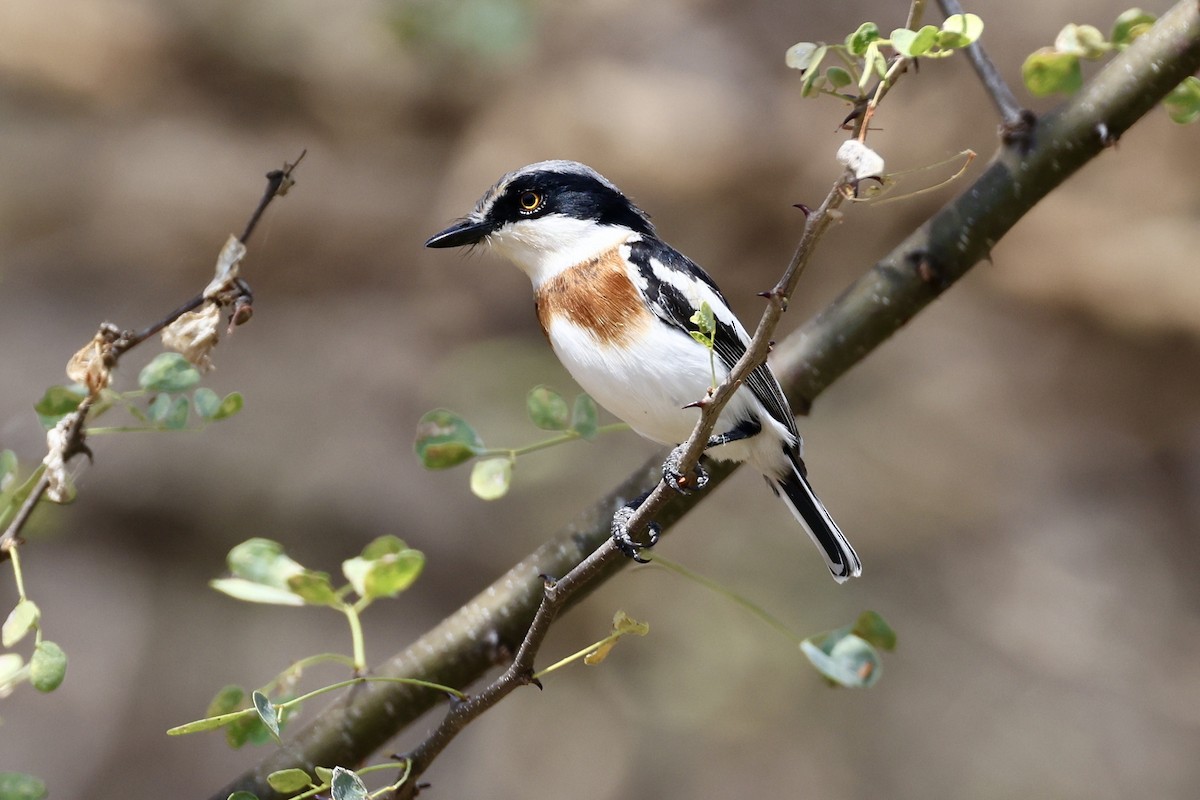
467,231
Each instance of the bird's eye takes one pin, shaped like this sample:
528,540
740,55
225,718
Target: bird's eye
530,202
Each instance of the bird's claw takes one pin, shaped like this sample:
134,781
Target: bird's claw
675,477
625,542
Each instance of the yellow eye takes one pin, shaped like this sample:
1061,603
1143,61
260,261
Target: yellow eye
530,202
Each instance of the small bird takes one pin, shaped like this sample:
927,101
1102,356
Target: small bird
616,303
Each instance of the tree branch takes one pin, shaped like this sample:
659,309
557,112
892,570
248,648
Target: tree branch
478,636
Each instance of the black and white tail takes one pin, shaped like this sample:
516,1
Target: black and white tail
802,501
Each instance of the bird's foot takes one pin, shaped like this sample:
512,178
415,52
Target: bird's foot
679,481
625,542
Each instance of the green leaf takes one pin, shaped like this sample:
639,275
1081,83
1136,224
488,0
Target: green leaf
21,620
314,588
252,592
324,775
10,665
548,409
858,41
960,30
1183,103
227,700
159,408
385,545
206,401
230,405
846,660
838,77
1129,25
266,712
177,414
800,56
47,666
289,781
1081,40
813,76
168,372
872,628
491,477
56,403
585,419
445,440
262,561
19,786
393,573
345,785
1047,71
240,795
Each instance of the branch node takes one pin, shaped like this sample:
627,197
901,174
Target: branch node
1018,131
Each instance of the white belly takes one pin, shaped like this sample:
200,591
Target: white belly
647,383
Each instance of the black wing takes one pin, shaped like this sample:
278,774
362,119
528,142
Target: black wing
670,305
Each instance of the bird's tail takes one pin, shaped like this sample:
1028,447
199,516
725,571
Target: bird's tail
802,501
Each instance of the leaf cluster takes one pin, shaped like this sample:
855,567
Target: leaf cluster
1058,69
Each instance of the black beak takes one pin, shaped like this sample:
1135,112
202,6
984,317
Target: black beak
461,233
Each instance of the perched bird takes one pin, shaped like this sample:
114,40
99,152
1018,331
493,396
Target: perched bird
616,303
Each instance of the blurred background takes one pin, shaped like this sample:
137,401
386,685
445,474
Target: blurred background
1018,468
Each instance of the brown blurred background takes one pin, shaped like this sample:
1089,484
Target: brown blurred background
1018,468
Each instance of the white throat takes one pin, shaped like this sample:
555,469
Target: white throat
546,246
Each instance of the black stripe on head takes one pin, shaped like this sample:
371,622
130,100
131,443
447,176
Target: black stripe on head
561,187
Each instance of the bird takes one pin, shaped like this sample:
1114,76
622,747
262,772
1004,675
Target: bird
617,305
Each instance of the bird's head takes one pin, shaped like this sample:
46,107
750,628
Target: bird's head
548,217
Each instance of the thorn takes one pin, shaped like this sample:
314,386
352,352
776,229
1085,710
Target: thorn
803,209
537,683
696,404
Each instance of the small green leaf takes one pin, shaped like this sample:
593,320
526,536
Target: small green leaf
266,712
345,785
858,41
393,573
444,439
21,620
240,795
383,546
313,588
491,477
227,700
56,403
11,665
1131,24
262,561
289,781
206,402
548,409
324,775
704,320
47,666
813,76
168,372
800,56
159,408
902,40
960,30
838,77
177,415
585,419
871,627
19,786
1047,71
1084,41
1183,103
230,405
252,592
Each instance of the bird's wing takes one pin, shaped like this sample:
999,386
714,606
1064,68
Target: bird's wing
675,287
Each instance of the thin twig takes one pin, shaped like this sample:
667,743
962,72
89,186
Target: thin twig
116,345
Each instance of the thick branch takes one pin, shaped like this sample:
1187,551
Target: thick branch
467,644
